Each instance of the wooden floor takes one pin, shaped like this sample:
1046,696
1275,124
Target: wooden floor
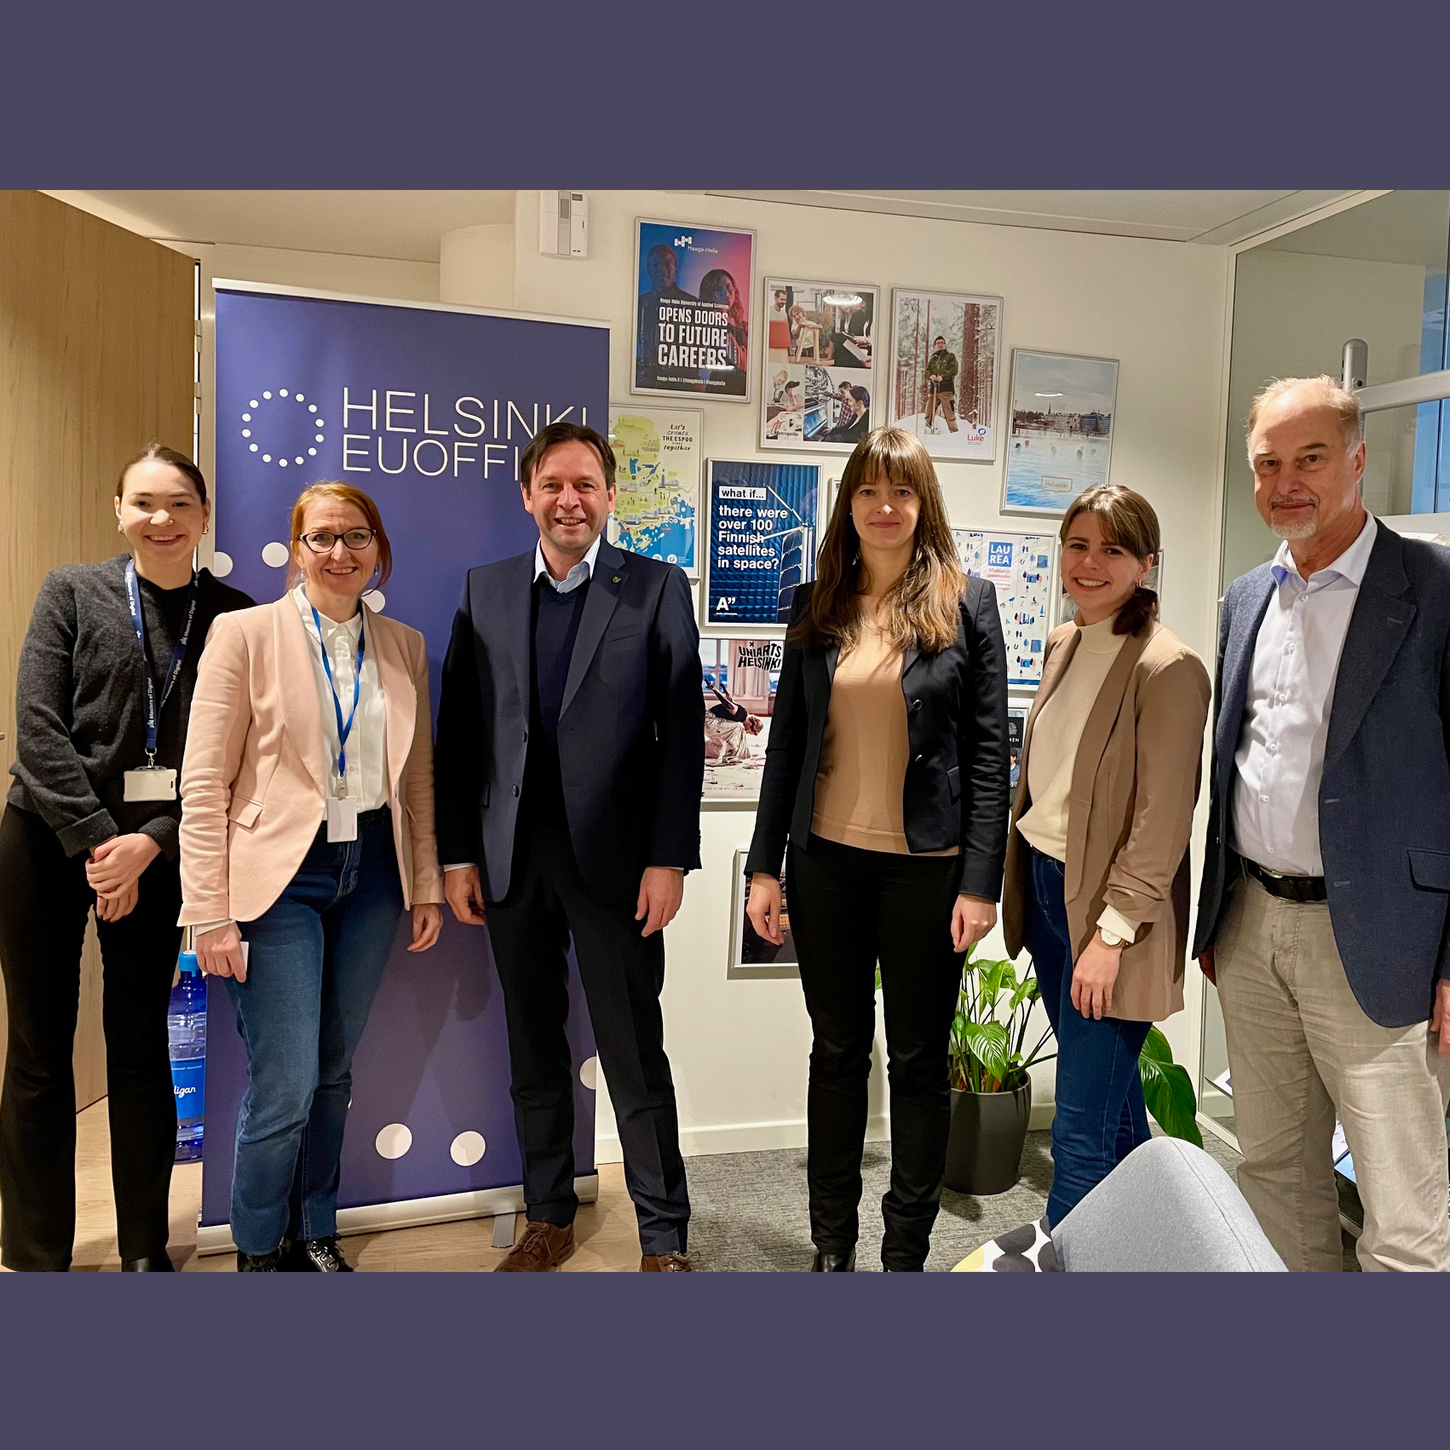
605,1232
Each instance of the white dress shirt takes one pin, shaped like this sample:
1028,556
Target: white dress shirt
367,759
1280,755
581,572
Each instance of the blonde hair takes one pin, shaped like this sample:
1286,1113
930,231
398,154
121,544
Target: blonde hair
346,493
1322,391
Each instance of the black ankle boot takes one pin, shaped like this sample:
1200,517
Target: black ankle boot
834,1263
259,1263
315,1256
150,1263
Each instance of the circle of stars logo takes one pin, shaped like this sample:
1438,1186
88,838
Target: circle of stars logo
279,420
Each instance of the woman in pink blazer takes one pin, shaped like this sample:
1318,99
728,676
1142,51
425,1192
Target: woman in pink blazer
306,830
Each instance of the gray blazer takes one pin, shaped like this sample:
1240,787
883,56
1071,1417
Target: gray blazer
1384,802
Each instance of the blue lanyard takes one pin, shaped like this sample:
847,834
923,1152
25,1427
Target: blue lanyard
178,656
343,731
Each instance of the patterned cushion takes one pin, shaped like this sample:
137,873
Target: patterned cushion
1025,1250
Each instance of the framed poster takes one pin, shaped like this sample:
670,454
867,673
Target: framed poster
1064,608
693,287
761,542
818,369
1020,566
1061,431
1016,726
739,678
946,352
749,951
659,461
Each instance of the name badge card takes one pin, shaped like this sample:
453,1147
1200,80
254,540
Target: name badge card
341,818
150,783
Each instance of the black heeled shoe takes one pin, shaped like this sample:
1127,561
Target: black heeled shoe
259,1263
149,1263
834,1263
315,1256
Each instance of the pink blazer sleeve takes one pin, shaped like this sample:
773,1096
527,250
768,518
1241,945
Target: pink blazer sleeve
416,788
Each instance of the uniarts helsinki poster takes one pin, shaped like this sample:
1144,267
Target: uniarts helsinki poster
739,678
946,351
1019,566
1061,434
761,544
658,458
818,390
693,288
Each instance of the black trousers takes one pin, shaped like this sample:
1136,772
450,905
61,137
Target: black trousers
849,910
44,903
623,974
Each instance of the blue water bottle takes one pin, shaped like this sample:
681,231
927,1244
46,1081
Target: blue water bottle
186,1028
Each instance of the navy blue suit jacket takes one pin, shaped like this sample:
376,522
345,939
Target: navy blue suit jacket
1384,802
631,727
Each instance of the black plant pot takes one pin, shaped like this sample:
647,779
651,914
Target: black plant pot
984,1151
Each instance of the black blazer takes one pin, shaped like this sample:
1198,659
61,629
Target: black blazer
1384,799
956,713
631,729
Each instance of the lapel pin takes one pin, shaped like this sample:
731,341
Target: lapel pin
616,578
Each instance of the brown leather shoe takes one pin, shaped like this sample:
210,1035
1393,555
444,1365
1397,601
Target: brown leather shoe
673,1262
544,1246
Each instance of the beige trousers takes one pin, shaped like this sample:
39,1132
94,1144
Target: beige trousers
1300,1047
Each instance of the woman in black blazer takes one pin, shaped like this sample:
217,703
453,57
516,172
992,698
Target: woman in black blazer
91,824
886,769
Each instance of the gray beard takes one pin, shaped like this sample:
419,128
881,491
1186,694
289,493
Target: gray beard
1293,532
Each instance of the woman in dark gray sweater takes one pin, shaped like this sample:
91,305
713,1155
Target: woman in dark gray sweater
91,823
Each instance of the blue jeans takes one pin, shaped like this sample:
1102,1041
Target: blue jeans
317,955
1100,1117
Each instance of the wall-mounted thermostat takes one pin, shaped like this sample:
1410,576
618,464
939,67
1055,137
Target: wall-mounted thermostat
563,223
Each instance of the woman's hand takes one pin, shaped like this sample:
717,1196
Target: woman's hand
427,923
118,863
118,904
219,952
972,918
763,908
1093,978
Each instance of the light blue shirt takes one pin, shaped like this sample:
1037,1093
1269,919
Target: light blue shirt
1280,755
582,571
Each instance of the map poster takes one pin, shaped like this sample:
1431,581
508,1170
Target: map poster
658,463
739,678
693,289
1020,568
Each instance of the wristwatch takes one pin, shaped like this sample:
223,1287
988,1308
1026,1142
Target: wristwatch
1111,938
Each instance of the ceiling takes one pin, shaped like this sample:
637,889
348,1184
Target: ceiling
1407,227
409,224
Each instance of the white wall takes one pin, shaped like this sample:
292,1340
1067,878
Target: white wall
739,1048
326,271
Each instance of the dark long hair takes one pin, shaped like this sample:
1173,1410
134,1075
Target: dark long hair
922,607
160,453
1127,520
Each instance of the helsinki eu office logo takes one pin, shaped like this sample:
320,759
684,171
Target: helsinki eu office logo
393,430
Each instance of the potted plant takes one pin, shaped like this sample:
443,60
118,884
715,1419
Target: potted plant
991,1086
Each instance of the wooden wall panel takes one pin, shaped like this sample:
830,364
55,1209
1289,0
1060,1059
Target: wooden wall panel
96,359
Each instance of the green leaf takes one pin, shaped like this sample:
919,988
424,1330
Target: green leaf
1168,1090
987,1042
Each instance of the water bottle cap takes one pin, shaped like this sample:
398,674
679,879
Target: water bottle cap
187,963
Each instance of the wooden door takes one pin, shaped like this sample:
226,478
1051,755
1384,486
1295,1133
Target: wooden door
97,355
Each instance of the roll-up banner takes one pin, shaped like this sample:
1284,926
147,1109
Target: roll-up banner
427,408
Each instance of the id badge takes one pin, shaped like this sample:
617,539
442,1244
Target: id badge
341,818
150,783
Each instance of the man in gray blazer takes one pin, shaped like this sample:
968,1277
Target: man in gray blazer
1326,886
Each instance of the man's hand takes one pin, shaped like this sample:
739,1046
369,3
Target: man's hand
661,889
1208,966
972,918
463,890
1440,1015
219,952
427,923
1093,978
763,908
118,863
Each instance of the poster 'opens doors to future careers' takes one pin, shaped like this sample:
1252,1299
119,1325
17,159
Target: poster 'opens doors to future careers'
762,541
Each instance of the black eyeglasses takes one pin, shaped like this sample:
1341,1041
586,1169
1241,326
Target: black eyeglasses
322,542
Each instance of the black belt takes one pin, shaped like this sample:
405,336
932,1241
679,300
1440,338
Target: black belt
1287,888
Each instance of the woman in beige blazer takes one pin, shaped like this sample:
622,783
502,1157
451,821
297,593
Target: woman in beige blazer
306,830
1096,882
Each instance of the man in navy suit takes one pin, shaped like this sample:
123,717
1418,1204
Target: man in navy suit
569,766
1326,888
